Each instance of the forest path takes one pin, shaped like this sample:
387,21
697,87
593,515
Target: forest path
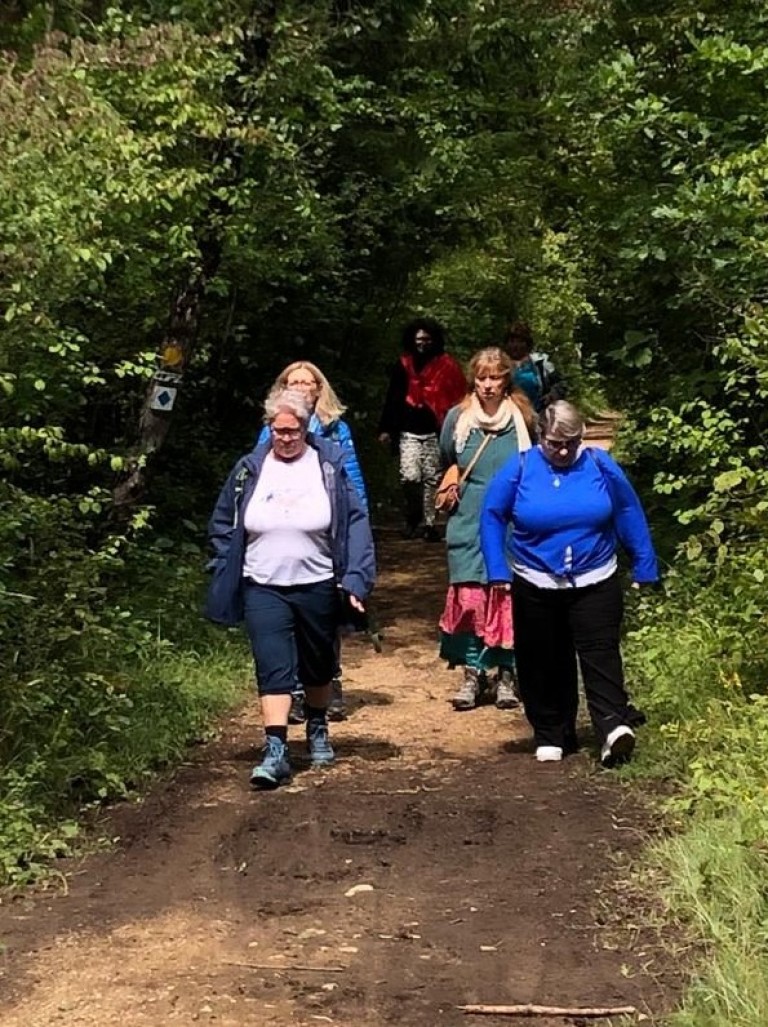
489,877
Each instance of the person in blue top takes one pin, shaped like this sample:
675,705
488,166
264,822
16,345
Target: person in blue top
534,374
326,420
570,507
326,423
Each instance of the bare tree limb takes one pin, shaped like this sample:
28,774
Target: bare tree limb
300,967
586,1012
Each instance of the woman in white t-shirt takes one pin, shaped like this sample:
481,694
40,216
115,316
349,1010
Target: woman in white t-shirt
293,548
325,420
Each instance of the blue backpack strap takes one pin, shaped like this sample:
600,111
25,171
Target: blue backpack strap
593,453
520,469
521,466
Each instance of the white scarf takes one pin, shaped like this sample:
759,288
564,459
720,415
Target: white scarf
473,416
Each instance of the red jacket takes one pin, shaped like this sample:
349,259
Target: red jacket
439,385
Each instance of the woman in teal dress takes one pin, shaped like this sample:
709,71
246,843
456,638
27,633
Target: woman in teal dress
476,625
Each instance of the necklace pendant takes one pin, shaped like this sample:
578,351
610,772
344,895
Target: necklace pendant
556,482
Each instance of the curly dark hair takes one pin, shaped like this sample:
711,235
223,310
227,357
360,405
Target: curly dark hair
424,324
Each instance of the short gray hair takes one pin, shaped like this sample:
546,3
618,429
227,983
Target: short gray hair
562,417
292,400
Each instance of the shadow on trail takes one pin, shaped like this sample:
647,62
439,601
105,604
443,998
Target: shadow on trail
464,881
585,740
406,607
367,749
357,698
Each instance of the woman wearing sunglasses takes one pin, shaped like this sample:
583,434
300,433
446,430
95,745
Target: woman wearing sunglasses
570,506
292,550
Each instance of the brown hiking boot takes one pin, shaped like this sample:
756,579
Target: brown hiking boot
507,690
469,690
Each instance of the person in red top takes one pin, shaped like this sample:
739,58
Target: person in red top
423,386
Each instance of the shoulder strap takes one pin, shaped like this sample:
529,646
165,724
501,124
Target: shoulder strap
478,453
240,480
597,461
520,466
540,364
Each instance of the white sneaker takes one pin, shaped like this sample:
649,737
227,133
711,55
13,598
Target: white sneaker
618,747
549,754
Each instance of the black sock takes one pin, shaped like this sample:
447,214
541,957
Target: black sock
277,731
316,714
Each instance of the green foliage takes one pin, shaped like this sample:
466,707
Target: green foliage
699,667
106,680
312,174
714,882
661,135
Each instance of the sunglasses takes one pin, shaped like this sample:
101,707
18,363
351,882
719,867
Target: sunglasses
570,444
287,433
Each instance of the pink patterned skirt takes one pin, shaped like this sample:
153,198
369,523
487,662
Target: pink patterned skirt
481,611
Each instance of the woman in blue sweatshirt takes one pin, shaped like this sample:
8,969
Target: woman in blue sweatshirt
570,506
325,423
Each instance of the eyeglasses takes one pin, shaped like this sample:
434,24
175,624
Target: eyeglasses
287,433
303,384
570,444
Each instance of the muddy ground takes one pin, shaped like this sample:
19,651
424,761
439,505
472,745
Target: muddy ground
488,878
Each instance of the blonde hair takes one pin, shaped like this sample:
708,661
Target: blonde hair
328,406
497,361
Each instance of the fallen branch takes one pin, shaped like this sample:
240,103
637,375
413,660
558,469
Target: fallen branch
529,1010
295,966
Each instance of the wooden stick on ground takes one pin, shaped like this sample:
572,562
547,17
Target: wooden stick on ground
303,968
529,1010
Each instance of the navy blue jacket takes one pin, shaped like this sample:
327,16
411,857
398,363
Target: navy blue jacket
351,540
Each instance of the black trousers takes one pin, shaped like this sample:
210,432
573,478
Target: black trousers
550,626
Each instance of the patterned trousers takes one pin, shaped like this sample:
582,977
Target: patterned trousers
420,473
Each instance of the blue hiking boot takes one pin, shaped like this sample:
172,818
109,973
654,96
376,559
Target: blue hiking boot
320,750
274,768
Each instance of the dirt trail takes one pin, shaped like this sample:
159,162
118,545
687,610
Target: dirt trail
492,876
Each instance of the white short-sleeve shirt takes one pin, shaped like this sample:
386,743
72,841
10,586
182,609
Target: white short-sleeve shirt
287,523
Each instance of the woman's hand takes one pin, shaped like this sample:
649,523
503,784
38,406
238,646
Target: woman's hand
501,586
385,438
356,604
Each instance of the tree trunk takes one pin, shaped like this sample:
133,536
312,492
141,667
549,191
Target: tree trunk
176,353
177,348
